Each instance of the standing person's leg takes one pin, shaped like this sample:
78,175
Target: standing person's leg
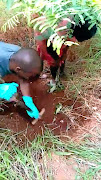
54,70
62,69
63,60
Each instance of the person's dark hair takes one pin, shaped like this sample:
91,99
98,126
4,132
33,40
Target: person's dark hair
27,59
82,33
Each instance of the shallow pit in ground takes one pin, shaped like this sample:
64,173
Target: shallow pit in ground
17,120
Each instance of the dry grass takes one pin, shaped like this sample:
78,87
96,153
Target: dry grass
83,86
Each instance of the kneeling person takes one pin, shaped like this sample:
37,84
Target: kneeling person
26,64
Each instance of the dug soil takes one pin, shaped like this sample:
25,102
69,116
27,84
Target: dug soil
16,119
77,120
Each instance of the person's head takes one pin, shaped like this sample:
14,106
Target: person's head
26,63
82,32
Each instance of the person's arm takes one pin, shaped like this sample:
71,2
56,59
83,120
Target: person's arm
24,87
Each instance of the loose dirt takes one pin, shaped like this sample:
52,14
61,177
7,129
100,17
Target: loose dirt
17,120
75,122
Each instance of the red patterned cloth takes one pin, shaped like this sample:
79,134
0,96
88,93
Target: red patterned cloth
42,46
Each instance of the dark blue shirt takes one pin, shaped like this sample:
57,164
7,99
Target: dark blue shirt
6,51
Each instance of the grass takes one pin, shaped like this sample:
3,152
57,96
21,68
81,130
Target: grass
4,13
84,73
30,161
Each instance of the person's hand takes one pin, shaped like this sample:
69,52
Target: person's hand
7,90
33,112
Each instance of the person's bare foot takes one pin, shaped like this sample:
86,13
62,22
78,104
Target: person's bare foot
43,76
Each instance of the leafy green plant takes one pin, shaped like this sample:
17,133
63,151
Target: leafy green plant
58,108
55,10
51,12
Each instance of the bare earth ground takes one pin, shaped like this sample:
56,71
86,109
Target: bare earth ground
75,123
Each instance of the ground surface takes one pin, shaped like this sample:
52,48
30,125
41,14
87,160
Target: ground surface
17,119
76,121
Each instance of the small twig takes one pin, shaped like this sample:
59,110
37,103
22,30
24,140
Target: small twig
41,114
